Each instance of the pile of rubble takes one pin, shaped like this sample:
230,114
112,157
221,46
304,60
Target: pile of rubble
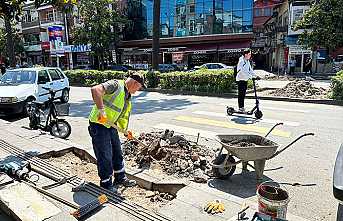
300,89
174,154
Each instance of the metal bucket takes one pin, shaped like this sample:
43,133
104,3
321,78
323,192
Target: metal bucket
272,200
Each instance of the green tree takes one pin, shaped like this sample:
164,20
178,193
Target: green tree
18,43
101,26
323,25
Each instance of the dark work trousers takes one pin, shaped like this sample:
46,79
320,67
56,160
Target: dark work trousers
242,89
107,149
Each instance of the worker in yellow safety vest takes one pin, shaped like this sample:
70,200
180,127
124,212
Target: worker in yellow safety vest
110,115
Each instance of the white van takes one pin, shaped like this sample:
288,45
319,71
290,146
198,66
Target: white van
20,86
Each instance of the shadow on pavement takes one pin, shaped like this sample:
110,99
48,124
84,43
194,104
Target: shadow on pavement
12,117
239,119
240,185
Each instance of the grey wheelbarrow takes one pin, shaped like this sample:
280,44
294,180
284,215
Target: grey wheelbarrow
246,147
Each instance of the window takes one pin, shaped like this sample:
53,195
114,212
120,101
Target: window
54,75
192,9
43,77
297,15
258,12
50,16
267,12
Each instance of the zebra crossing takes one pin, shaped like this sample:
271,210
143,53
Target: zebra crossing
199,122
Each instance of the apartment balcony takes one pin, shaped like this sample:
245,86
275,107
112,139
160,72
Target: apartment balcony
59,20
29,25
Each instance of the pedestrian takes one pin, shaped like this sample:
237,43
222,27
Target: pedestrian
3,69
308,66
292,64
111,113
244,73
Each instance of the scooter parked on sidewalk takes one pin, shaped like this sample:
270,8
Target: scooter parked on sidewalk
256,109
50,122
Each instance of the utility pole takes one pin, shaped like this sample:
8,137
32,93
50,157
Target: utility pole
156,34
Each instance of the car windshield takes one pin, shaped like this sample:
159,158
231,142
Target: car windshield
19,77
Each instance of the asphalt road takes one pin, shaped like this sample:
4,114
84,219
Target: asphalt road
308,161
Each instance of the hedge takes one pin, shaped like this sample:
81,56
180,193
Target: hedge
214,81
337,86
218,81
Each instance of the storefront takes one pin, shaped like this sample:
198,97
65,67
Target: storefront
190,56
300,54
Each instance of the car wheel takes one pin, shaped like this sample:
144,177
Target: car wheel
65,96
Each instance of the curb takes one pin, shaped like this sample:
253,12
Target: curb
231,95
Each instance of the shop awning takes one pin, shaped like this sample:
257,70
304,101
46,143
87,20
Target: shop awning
229,47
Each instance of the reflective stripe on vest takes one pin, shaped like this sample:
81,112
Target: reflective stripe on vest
116,109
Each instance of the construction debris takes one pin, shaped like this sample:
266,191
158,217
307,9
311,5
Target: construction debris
174,154
300,89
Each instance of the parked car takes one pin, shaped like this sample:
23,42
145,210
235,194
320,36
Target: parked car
338,183
20,86
83,67
124,68
339,60
214,66
167,67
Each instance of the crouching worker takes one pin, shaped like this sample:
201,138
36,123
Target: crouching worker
110,115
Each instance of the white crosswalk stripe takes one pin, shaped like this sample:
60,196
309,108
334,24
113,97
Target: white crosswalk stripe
187,130
286,109
271,121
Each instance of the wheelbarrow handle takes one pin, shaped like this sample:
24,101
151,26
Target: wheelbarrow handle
286,147
271,129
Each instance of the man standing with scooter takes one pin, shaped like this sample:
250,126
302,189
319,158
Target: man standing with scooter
244,73
110,115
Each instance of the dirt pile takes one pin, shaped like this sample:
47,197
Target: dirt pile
300,89
71,163
241,143
174,154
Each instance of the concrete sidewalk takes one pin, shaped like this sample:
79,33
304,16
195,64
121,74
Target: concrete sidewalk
188,205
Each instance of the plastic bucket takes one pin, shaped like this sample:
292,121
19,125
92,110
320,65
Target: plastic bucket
272,200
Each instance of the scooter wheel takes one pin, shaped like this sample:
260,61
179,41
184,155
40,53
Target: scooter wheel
258,114
60,128
230,111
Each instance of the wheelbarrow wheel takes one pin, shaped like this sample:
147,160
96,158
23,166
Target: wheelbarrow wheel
228,170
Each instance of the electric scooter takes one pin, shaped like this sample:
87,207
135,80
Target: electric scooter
258,113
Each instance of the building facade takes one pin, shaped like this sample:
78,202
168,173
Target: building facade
37,25
192,32
263,11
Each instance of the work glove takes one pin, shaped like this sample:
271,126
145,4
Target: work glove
102,117
214,207
128,135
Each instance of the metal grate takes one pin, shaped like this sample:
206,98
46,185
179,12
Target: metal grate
44,168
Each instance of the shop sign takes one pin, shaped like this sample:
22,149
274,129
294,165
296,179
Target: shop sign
236,50
77,48
172,49
46,45
147,50
298,49
56,40
200,52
